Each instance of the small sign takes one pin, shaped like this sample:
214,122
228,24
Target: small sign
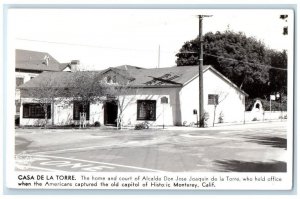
272,97
195,111
164,100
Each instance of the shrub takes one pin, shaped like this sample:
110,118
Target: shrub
204,119
140,126
283,117
97,124
255,119
221,117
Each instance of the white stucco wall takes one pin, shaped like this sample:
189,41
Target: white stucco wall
30,121
26,77
63,114
232,106
166,114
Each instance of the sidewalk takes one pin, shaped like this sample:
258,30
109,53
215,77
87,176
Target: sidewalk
226,125
110,129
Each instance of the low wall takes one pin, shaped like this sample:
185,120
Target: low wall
264,115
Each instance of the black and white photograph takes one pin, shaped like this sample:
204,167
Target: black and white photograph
151,98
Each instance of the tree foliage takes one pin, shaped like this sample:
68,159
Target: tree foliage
278,74
45,94
244,60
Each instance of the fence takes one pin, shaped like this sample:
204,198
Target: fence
264,115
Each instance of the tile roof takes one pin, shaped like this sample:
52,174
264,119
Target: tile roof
139,77
60,79
155,77
170,76
33,60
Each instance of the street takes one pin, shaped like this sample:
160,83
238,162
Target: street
239,148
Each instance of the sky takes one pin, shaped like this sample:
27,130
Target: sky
102,38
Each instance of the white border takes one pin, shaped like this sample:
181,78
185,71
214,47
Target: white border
258,2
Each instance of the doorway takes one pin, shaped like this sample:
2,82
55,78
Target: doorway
110,113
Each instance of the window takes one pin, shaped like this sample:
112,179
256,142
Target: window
213,99
111,79
36,111
108,79
146,110
80,107
114,79
19,81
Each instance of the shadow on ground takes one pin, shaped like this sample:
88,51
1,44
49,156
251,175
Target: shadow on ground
21,144
277,142
243,166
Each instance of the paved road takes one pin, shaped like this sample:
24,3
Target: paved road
247,148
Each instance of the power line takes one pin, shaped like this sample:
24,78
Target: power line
91,46
231,59
113,48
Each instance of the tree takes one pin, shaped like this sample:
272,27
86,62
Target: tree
112,85
218,98
123,95
244,60
45,94
86,88
278,74
278,77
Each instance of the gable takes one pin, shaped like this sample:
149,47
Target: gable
218,75
112,77
225,79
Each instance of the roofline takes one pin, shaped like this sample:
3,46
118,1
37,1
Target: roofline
129,86
159,86
36,70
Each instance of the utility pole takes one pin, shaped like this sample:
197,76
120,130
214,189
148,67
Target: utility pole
201,108
158,60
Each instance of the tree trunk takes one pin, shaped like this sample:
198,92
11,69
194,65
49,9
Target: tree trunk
52,112
119,120
46,114
215,107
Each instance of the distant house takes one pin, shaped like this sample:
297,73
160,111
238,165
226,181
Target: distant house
30,64
159,96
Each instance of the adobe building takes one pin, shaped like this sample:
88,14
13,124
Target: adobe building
159,96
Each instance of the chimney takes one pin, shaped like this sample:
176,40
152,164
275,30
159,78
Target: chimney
74,65
46,60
